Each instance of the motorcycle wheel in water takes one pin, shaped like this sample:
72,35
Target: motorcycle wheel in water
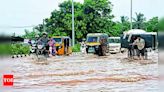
42,52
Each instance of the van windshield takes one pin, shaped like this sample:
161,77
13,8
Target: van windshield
112,40
92,39
58,40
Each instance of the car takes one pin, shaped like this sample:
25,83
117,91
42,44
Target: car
114,45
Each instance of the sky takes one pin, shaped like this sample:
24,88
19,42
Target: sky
15,14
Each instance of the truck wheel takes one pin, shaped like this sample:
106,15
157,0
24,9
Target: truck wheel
104,49
97,51
122,51
87,50
100,53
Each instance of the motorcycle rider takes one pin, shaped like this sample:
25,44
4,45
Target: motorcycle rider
44,41
36,38
34,45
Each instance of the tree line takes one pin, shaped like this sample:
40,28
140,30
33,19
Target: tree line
92,16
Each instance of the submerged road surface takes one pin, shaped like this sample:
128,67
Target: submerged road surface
82,73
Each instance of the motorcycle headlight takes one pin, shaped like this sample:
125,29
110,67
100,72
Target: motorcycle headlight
40,46
96,47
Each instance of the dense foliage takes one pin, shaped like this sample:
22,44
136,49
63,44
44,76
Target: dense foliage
91,17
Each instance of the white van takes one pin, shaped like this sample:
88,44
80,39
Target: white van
114,45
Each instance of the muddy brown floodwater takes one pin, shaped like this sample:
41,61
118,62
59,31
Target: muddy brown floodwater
82,73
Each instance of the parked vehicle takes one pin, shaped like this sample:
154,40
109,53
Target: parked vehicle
63,45
114,45
151,41
97,43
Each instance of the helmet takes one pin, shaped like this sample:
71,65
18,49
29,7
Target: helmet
44,33
36,36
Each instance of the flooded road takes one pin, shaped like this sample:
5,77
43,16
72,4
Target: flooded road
83,73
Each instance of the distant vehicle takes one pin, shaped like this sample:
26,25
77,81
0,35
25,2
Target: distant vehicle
150,38
114,45
63,45
97,43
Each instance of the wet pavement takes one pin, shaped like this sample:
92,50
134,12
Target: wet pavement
82,73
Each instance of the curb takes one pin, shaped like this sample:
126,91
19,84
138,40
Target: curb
76,53
19,56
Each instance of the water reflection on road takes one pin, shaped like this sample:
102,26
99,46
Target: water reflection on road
87,73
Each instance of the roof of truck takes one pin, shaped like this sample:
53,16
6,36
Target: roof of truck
139,31
96,34
135,31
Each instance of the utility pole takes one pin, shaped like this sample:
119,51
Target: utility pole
131,14
73,27
44,28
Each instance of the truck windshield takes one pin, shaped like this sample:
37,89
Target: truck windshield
114,40
58,40
92,39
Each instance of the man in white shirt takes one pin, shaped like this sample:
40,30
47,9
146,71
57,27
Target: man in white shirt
141,47
83,46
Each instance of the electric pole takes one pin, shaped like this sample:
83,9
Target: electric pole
44,28
73,28
131,12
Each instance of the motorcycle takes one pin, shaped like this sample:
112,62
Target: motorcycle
33,48
42,49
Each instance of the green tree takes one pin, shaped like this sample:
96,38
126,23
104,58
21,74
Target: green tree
125,23
139,21
60,21
29,35
152,25
90,17
98,17
161,25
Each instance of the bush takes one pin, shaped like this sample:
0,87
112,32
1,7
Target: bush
19,49
76,48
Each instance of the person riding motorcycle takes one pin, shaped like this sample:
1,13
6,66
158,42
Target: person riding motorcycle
44,41
36,38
